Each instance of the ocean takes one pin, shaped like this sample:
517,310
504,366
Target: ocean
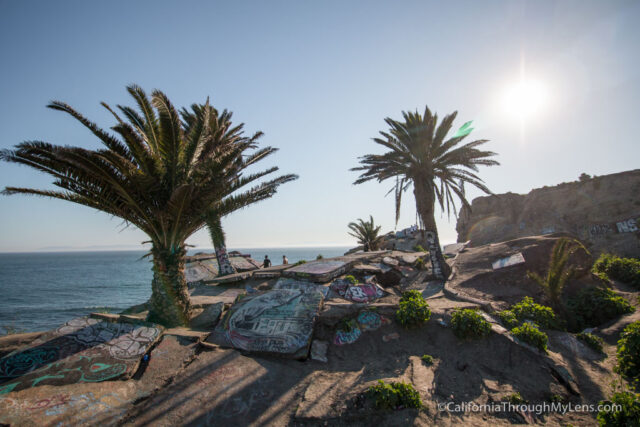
40,291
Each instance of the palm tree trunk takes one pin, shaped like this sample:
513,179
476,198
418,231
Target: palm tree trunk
217,237
169,304
425,203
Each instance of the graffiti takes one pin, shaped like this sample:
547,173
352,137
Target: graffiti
600,229
628,226
347,336
81,350
369,320
290,283
514,259
197,272
275,321
52,402
224,265
364,293
433,254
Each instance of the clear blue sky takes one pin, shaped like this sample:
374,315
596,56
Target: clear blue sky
319,78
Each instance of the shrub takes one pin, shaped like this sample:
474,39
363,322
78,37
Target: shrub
300,262
420,263
508,319
628,416
419,248
626,270
468,323
529,310
351,279
629,352
427,359
596,305
516,399
529,333
559,270
319,257
394,395
413,310
591,340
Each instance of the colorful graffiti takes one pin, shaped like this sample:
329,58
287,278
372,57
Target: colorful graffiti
276,321
348,335
364,293
81,350
369,320
224,266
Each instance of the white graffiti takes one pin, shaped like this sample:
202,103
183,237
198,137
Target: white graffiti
628,226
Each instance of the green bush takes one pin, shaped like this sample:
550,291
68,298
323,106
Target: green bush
591,340
319,257
394,395
300,262
595,306
420,263
419,248
629,352
427,359
351,279
529,333
529,310
413,310
508,319
516,399
628,416
468,323
626,270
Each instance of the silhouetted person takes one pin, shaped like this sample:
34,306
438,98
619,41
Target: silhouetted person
267,262
285,260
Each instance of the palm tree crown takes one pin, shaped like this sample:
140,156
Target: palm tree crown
163,175
367,233
420,154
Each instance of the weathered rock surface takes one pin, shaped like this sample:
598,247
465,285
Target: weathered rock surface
604,212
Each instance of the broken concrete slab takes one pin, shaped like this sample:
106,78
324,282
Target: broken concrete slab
231,278
270,272
333,312
364,292
514,259
73,404
81,350
366,269
208,317
318,271
187,333
319,350
291,283
391,261
198,272
279,321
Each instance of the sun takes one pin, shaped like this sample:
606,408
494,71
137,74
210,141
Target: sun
526,99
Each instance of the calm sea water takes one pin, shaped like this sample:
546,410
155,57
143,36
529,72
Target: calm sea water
40,291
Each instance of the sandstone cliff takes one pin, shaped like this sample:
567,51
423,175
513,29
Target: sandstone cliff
603,211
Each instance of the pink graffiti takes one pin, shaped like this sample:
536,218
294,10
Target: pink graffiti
54,401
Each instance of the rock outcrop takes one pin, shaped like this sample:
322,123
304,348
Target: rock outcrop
604,212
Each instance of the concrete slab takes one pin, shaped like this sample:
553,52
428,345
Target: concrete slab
81,350
278,321
187,333
318,271
271,272
231,278
198,272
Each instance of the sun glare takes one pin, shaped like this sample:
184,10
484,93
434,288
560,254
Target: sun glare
526,98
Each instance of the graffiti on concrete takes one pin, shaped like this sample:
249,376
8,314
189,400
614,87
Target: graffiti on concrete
364,293
627,226
291,283
224,266
318,271
514,259
81,350
369,320
433,254
197,272
276,321
347,334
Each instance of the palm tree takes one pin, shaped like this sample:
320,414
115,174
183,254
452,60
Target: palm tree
226,137
159,176
559,271
420,154
367,233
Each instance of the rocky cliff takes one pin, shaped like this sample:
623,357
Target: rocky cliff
603,211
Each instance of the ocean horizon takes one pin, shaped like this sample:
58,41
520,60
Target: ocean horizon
42,290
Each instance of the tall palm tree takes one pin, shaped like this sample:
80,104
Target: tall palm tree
159,175
367,233
420,154
226,137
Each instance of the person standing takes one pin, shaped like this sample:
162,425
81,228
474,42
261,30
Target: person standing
285,260
267,262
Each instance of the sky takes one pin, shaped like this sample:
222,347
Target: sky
554,86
